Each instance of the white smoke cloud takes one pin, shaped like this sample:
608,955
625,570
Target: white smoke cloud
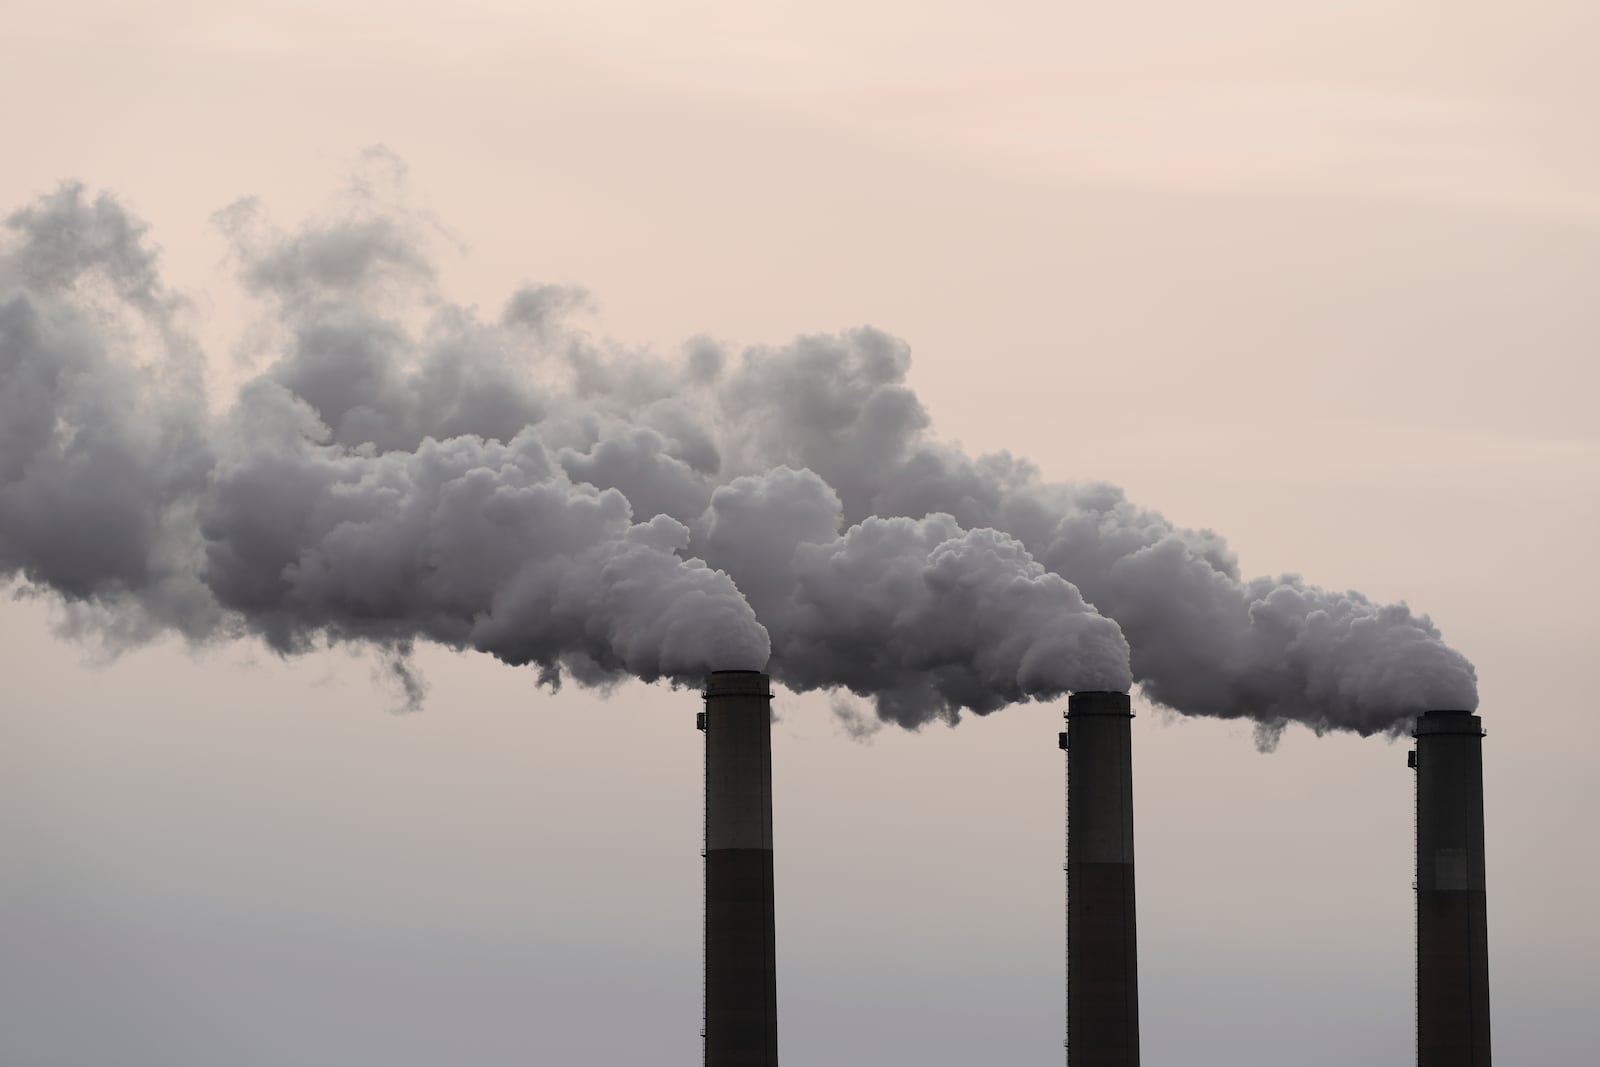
122,493
918,614
404,470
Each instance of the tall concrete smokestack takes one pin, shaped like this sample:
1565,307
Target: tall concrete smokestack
1102,948
741,1023
1452,925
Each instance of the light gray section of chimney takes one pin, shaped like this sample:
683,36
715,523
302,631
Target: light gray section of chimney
1451,796
738,760
1100,758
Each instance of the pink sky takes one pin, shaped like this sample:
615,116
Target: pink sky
1323,282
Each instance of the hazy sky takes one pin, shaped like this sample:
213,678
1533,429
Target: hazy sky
1323,282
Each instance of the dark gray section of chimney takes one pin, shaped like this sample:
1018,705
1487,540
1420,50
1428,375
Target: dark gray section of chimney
741,967
1452,924
1102,946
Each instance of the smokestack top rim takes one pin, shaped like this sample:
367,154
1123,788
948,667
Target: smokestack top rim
738,683
1100,702
1448,721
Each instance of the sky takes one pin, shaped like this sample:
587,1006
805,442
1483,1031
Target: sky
1319,281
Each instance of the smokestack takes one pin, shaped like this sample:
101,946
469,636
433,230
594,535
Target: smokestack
741,1021
1452,927
1102,951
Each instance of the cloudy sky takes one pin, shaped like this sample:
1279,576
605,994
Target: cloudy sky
1323,282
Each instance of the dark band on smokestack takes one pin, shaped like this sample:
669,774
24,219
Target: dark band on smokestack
741,937
1452,923
1102,946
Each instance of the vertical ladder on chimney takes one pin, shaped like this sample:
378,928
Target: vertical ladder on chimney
705,886
1416,916
1066,902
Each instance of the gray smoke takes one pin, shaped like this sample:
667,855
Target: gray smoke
120,492
1204,640
404,469
918,613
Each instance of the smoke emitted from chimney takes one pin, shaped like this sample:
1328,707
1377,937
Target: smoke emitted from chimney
403,468
919,614
120,491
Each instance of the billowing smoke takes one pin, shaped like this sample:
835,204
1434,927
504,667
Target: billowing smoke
403,469
120,491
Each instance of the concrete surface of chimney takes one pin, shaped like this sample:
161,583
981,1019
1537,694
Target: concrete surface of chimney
1102,950
1452,925
741,1007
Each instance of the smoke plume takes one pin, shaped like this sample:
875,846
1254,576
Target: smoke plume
402,469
